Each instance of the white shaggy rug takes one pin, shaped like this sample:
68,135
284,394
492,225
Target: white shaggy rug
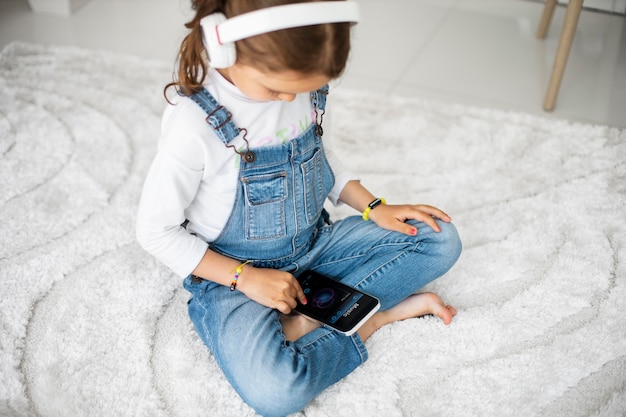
90,325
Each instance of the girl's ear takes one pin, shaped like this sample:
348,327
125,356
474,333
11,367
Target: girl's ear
221,55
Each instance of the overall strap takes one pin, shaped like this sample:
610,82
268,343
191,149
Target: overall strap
220,119
218,116
318,98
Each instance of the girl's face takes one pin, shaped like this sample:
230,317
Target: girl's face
265,86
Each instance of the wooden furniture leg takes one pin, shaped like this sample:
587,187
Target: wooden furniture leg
562,53
546,18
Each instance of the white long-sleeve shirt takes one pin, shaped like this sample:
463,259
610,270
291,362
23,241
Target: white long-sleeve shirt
194,175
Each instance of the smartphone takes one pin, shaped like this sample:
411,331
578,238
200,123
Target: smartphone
334,304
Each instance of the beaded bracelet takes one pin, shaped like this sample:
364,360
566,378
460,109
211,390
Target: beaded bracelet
237,270
371,206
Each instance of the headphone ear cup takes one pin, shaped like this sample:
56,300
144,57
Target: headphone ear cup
220,55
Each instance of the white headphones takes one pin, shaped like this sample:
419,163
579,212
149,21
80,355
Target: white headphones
220,34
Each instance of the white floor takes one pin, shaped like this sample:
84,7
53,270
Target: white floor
476,52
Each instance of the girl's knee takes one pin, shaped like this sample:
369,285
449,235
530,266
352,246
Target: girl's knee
450,238
283,408
278,399
451,245
445,245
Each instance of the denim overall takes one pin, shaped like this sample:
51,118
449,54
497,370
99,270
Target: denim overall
281,193
277,222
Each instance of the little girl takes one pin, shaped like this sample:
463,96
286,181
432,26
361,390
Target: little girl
233,202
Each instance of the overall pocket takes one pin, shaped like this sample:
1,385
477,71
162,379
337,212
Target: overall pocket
265,205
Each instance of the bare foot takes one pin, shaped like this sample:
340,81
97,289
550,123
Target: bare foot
414,306
296,325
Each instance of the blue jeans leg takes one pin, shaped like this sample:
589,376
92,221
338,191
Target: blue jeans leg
385,264
273,376
277,377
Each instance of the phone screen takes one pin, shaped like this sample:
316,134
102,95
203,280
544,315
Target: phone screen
335,304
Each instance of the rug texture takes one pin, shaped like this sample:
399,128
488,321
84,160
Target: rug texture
90,325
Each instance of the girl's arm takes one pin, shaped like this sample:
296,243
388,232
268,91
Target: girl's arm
391,217
269,287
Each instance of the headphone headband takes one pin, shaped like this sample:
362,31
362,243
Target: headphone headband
276,18
220,33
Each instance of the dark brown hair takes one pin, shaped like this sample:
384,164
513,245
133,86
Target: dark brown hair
317,49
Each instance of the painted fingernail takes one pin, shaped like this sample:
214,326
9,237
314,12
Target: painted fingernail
413,232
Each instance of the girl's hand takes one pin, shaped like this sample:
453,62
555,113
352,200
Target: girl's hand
271,288
394,217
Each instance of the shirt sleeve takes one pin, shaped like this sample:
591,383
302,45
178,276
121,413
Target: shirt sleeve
342,176
169,188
